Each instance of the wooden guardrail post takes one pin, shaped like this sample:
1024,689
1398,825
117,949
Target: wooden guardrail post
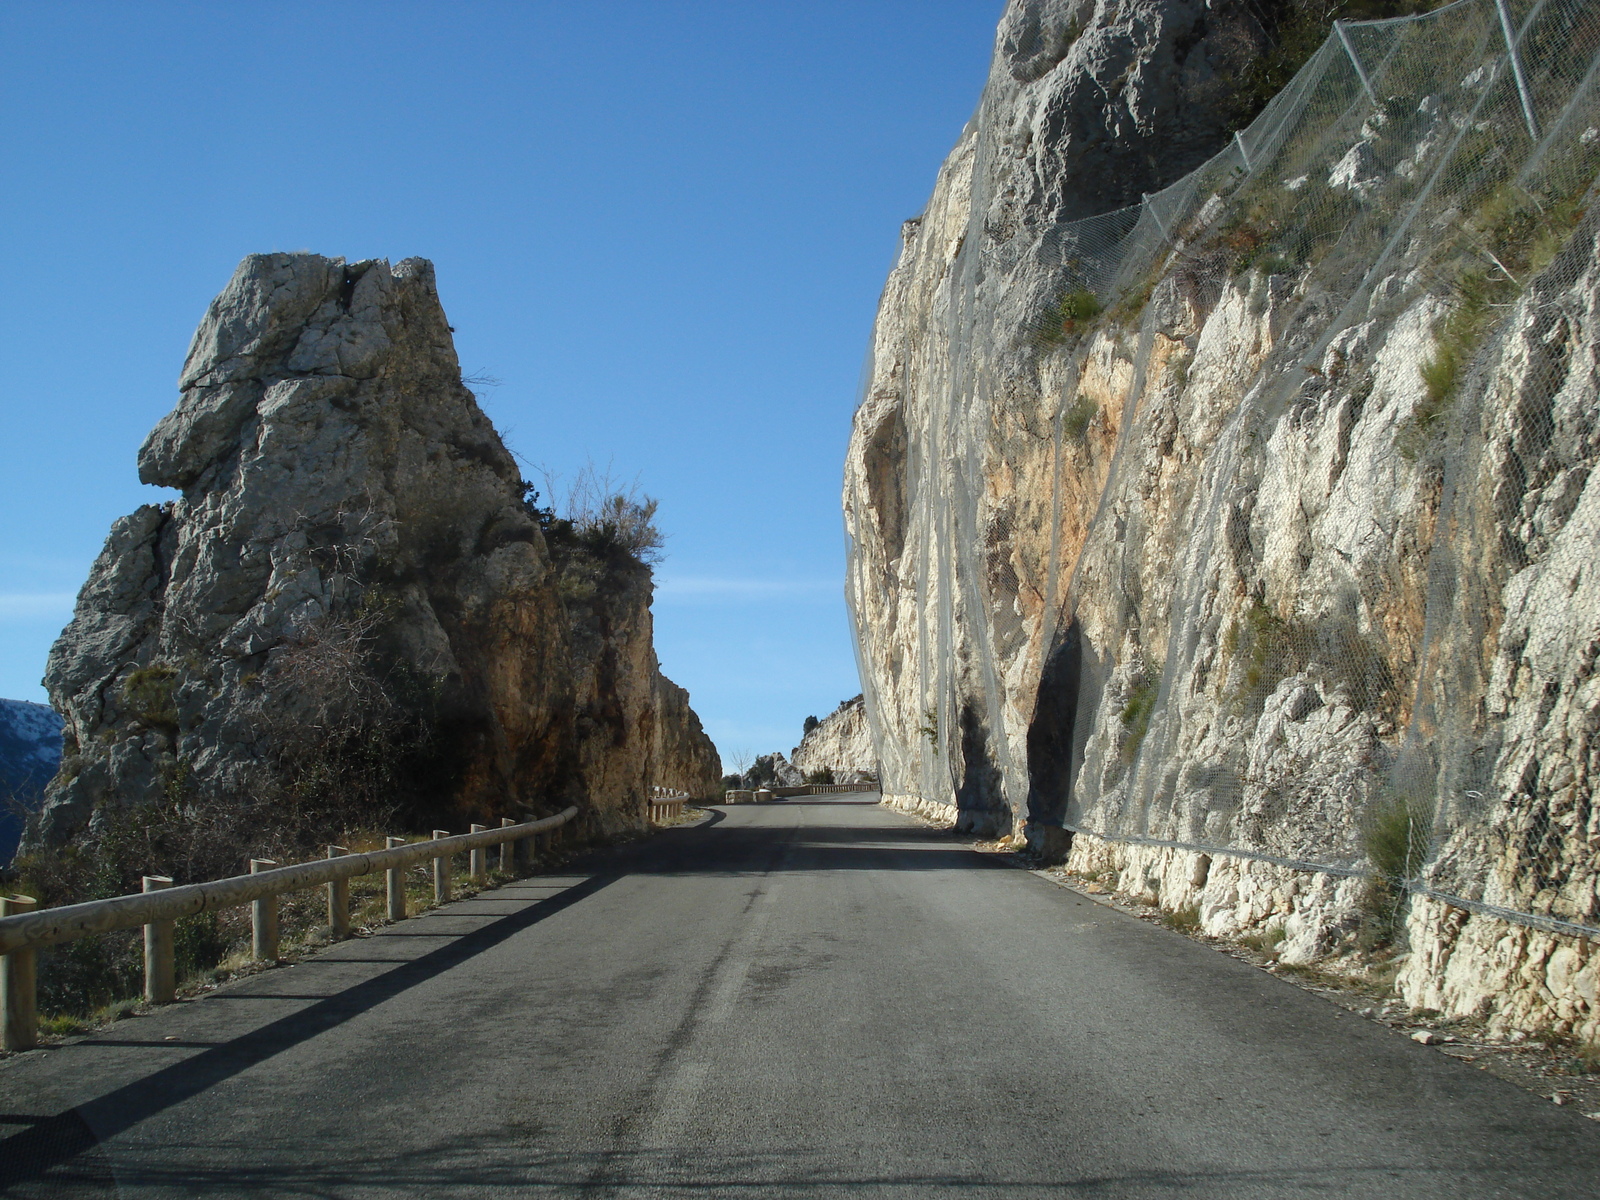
19,996
530,850
160,966
441,871
508,850
263,918
478,860
395,883
338,901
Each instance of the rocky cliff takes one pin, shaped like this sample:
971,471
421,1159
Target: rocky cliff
1231,542
350,616
840,743
634,725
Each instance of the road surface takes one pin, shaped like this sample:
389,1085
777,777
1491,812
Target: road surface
810,998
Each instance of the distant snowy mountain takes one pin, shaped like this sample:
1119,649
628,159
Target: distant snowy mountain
30,750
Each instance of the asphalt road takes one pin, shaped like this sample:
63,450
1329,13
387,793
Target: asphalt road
811,998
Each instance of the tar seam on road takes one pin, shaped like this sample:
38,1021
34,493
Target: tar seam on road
674,1099
675,1104
678,1079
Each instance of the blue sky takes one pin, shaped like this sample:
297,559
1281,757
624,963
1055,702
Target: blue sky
662,226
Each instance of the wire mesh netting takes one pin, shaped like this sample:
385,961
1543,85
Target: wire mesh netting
1320,596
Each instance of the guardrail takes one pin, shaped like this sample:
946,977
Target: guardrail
24,930
749,796
666,804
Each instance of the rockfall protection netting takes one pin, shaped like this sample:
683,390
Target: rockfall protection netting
1447,155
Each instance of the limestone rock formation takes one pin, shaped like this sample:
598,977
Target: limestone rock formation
635,727
682,756
840,743
1086,107
349,606
1272,577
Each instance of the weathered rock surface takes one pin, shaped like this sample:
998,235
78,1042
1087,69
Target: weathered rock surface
841,743
684,757
1162,581
350,600
1086,107
635,727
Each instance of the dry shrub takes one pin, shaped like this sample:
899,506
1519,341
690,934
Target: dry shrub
340,727
601,513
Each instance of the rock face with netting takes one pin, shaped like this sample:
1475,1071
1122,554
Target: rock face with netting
1234,541
349,617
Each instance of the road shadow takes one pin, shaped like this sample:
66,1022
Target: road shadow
748,849
35,1157
507,1162
48,1142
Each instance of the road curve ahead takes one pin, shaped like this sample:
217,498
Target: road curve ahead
814,998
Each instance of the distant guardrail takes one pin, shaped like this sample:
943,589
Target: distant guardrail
666,804
23,930
757,795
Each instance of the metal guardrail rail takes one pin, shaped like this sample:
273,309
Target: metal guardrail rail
24,930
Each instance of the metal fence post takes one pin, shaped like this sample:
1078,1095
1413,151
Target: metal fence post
1144,199
160,967
395,880
441,871
508,850
338,901
1516,70
1350,50
19,997
478,860
263,918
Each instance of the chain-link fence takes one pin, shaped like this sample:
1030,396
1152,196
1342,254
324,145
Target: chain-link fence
1332,609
